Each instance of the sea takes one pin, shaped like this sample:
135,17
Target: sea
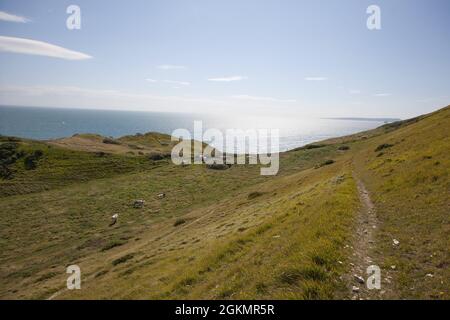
52,123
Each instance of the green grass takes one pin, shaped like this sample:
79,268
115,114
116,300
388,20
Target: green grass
243,236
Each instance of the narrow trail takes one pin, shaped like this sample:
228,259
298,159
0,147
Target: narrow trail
367,223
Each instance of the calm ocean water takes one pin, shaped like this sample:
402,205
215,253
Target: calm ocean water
50,123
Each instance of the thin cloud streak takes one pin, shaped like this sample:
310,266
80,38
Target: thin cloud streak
5,16
316,78
181,83
258,98
34,47
382,94
228,79
170,67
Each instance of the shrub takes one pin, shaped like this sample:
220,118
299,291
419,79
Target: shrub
5,172
383,146
101,154
343,148
319,260
325,163
314,146
46,276
311,291
261,288
290,276
313,273
110,141
7,152
217,166
122,259
254,195
155,156
135,147
30,161
111,245
38,153
8,156
178,222
101,273
309,146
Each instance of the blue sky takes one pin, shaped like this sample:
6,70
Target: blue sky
270,57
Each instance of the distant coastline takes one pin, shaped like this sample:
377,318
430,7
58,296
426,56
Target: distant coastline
43,123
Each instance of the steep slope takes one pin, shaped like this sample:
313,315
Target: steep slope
407,174
236,234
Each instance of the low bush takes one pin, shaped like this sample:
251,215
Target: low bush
122,259
110,141
383,146
114,244
254,195
30,161
325,163
313,146
178,222
155,156
217,166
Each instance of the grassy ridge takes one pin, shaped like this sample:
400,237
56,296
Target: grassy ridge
230,233
58,167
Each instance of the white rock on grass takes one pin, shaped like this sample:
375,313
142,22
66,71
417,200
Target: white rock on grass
138,203
359,278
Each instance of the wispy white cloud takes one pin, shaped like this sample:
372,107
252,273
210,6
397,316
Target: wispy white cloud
353,91
316,78
34,47
170,67
5,16
258,98
151,80
228,79
383,94
180,83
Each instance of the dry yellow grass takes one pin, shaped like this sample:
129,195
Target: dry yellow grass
244,235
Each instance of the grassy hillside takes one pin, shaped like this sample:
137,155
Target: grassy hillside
139,144
232,233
